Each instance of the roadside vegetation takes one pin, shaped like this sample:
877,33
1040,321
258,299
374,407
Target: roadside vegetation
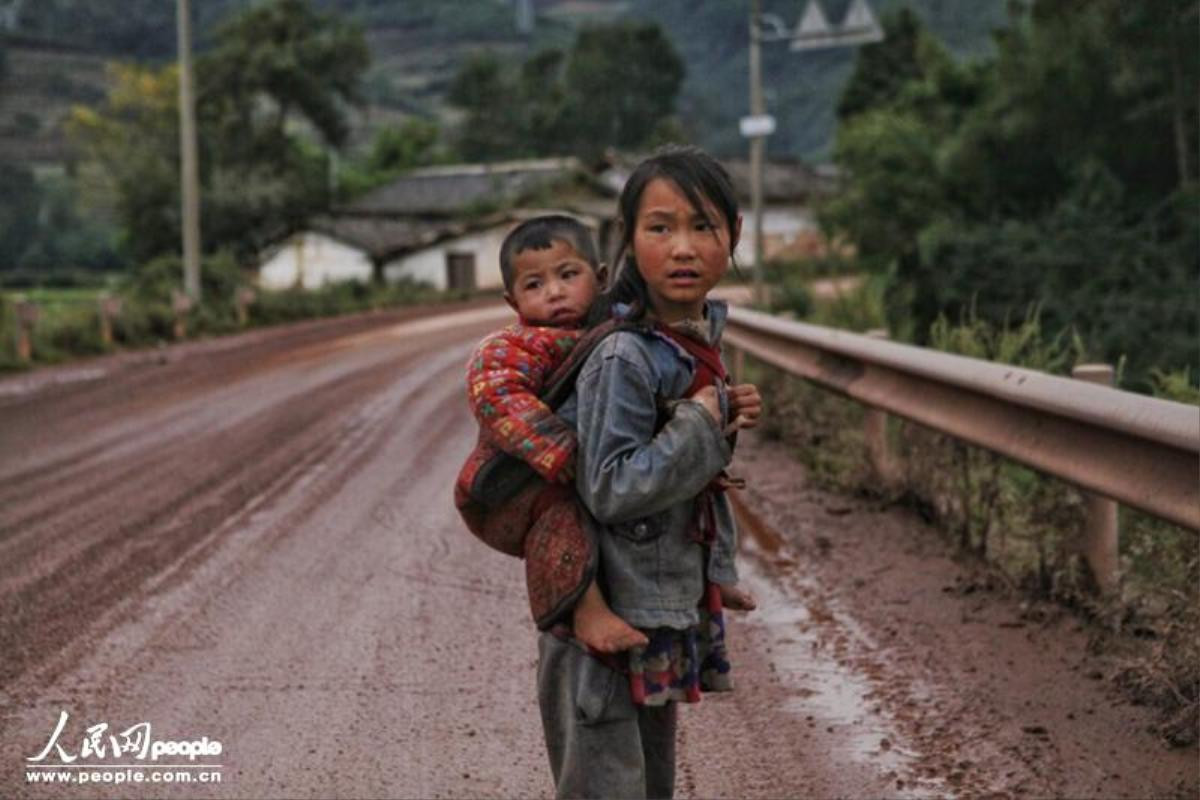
1037,208
69,326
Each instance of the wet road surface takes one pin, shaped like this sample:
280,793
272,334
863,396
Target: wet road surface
252,540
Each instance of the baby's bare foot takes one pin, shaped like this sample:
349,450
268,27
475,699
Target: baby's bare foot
737,599
599,628
603,630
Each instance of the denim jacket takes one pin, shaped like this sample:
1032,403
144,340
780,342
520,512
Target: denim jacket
640,481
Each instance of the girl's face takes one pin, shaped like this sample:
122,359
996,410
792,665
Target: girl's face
680,252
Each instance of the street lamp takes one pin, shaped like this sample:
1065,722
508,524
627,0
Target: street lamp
813,32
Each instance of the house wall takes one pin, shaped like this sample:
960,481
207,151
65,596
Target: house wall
429,265
784,228
312,260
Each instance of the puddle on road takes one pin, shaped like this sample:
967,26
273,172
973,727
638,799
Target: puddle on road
806,637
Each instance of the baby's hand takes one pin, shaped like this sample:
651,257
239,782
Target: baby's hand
707,397
745,405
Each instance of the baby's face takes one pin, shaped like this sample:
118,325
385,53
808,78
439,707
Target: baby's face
554,286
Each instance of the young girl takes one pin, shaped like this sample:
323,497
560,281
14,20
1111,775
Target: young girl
652,412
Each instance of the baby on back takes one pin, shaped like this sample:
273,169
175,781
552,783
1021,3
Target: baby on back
551,277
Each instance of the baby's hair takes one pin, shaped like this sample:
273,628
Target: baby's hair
702,180
539,233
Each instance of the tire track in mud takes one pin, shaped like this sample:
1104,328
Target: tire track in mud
312,614
117,532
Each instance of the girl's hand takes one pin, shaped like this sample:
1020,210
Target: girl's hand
707,397
745,405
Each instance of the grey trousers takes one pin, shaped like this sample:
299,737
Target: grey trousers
600,744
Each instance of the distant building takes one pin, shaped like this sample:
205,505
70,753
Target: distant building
442,226
339,248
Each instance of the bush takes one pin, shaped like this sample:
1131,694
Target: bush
342,298
790,296
66,332
859,309
69,324
220,276
8,345
142,323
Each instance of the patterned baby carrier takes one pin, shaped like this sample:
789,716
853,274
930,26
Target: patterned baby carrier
500,501
508,507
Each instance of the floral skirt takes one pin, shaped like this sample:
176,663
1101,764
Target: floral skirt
680,664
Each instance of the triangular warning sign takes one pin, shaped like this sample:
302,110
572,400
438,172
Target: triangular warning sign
813,23
860,21
813,30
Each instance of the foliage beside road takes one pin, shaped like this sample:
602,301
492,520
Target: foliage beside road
1061,175
68,326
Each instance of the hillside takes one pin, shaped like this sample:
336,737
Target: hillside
418,44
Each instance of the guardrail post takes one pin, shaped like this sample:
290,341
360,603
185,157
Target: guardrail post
27,317
110,309
875,424
242,300
1101,535
181,304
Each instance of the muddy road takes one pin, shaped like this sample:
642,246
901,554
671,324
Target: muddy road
250,541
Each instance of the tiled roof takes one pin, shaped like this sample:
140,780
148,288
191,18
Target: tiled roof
453,189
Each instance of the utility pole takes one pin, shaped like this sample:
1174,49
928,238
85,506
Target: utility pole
758,146
188,164
525,17
812,33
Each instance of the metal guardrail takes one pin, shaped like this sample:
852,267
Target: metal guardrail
1141,451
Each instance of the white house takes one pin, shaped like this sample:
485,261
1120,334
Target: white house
470,260
310,259
438,226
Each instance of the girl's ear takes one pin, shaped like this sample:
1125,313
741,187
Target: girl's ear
508,298
602,274
735,234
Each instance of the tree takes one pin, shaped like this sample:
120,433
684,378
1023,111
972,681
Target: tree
282,57
1050,176
395,150
882,69
135,137
621,81
615,87
18,212
493,128
903,106
272,94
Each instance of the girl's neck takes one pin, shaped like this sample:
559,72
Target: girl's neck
669,313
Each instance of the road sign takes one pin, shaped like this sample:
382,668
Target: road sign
757,125
815,33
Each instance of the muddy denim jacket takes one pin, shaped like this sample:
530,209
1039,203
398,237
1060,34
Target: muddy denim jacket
640,483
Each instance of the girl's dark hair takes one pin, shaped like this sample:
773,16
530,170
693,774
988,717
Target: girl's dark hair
701,179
